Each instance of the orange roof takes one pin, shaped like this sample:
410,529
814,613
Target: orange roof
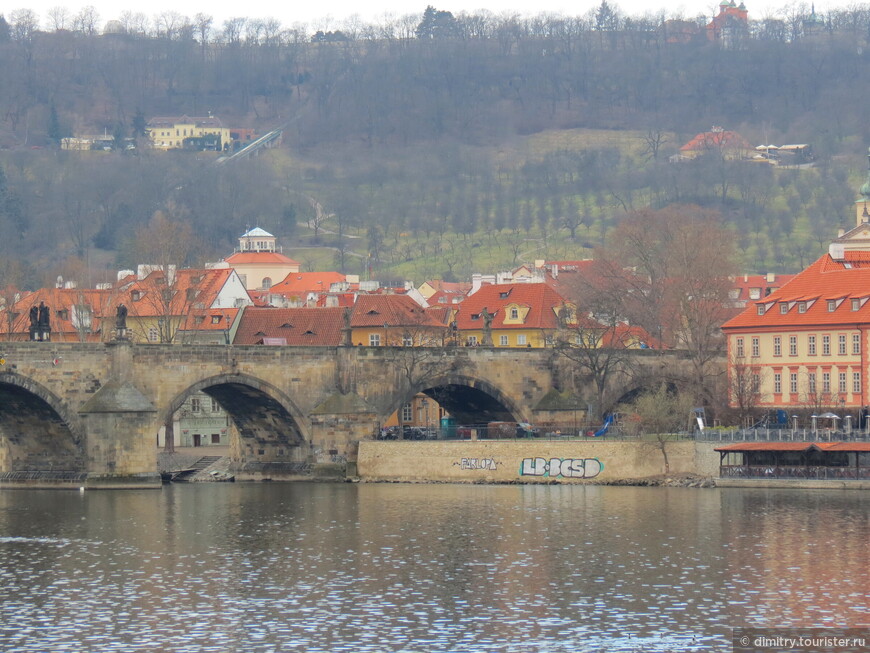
291,326
61,301
192,290
540,298
392,310
300,283
214,319
716,140
825,279
744,283
264,258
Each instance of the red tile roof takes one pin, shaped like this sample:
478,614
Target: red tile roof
540,298
826,279
300,283
61,301
264,258
214,319
393,310
296,326
714,140
144,298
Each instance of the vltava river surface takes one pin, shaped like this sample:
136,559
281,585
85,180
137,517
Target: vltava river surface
346,567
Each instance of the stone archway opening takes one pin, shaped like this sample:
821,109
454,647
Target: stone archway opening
36,442
454,410
249,424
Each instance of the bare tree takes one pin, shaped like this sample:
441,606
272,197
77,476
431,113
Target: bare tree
658,416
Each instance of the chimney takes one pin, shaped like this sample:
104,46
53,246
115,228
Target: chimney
771,277
476,282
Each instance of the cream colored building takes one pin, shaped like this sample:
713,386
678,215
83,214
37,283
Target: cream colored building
168,133
258,262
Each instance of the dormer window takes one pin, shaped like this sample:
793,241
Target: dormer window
856,304
802,307
783,308
832,305
760,309
515,313
215,319
755,293
136,295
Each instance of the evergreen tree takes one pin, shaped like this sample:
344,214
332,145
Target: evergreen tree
54,130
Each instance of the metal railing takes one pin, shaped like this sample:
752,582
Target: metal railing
822,472
768,434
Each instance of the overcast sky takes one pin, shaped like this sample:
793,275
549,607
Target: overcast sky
330,14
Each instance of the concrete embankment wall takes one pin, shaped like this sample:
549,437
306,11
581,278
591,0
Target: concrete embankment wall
530,461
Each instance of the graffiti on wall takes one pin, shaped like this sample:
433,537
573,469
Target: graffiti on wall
477,463
564,467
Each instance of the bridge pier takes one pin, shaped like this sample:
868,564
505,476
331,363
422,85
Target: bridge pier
121,448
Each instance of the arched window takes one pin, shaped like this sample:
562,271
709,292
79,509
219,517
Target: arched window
267,283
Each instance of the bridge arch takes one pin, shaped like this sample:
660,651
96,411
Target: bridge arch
468,399
39,436
271,428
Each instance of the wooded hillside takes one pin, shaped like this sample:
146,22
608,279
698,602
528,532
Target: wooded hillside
443,143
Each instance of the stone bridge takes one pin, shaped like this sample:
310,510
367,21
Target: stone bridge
90,413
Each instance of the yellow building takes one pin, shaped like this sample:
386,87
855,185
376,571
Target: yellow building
169,133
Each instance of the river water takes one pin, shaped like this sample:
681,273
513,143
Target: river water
382,567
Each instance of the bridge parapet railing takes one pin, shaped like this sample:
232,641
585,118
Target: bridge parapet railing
513,431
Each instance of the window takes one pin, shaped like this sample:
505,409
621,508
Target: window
777,345
841,344
740,352
471,341
826,382
792,383
153,334
792,345
802,307
783,307
856,304
856,382
215,319
267,283
407,413
215,438
841,382
811,345
515,314
777,383
503,341
826,345
195,405
811,383
374,340
756,383
407,340
856,343
756,349
832,305
760,309
215,406
521,339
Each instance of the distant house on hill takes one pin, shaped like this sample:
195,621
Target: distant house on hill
727,144
184,132
731,23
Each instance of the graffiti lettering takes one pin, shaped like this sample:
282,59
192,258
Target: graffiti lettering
564,467
477,463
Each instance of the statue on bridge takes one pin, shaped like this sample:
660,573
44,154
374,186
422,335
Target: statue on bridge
34,322
43,323
487,327
121,322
